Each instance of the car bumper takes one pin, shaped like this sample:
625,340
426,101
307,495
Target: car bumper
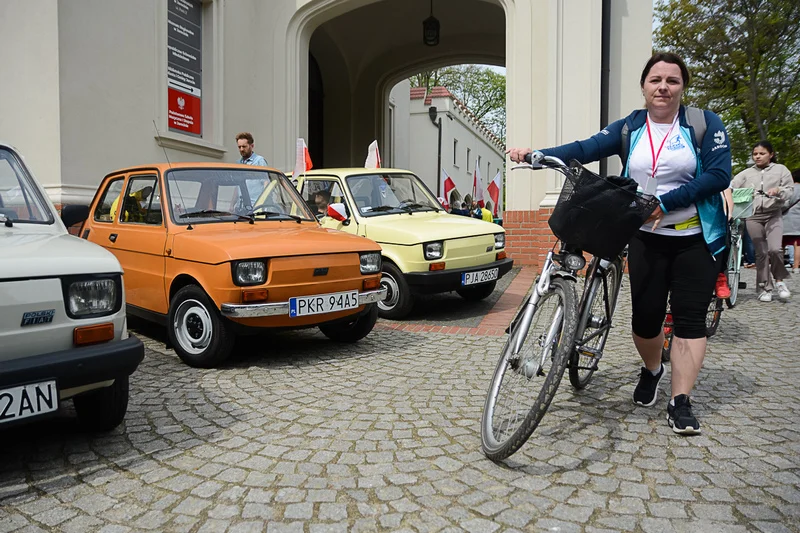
450,280
75,367
282,308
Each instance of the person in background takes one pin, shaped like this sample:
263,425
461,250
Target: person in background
322,199
773,185
248,157
791,222
486,213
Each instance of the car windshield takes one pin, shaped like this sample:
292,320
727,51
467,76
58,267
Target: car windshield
205,195
381,194
20,199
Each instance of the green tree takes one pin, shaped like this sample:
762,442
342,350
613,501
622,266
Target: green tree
479,88
744,56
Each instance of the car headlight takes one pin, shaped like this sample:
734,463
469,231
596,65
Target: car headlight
370,263
499,241
249,273
93,297
433,250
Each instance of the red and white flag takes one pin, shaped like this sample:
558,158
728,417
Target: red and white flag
477,185
373,156
302,161
494,191
448,186
337,212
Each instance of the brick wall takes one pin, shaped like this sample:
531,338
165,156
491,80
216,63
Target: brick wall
528,237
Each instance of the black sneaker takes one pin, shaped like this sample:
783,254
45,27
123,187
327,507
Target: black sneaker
680,417
646,392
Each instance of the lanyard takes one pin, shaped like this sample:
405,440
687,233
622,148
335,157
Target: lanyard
653,152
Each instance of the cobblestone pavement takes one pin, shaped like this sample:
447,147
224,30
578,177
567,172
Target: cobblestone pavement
302,434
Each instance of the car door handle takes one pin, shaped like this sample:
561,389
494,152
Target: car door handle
112,237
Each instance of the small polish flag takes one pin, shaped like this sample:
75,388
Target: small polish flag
448,186
494,191
302,162
337,212
477,185
373,156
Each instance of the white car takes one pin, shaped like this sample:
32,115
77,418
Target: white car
63,331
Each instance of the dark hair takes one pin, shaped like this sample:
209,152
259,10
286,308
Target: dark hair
246,136
325,195
796,175
768,147
666,57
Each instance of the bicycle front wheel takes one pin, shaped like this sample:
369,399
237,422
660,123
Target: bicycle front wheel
595,325
525,382
712,316
734,271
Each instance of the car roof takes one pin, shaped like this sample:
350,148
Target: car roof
162,167
349,171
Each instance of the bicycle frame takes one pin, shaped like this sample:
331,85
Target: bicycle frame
597,268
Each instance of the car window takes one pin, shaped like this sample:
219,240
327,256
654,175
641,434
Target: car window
141,203
379,194
318,193
20,199
224,195
102,212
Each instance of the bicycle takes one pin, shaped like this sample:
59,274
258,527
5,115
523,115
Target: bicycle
742,208
553,330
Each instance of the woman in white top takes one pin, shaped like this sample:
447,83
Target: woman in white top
773,185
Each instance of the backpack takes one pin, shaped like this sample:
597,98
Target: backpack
695,117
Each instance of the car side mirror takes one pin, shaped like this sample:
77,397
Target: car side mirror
338,211
74,214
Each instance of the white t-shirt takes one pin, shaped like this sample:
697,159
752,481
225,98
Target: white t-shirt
676,166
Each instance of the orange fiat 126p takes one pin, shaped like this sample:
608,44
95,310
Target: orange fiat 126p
199,257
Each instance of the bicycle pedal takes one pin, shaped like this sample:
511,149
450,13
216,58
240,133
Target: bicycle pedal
585,350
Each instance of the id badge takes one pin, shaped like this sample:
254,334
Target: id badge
651,186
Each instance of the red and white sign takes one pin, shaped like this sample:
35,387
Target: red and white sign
373,156
477,185
494,191
448,186
337,212
184,112
302,162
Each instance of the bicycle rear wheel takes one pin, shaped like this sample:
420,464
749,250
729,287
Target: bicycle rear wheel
523,384
712,316
593,318
734,271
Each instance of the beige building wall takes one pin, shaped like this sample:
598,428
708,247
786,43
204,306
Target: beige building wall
87,78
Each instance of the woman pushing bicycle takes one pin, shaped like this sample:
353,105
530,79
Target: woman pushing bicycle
676,251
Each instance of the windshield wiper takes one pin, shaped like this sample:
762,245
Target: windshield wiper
382,208
409,208
215,213
267,214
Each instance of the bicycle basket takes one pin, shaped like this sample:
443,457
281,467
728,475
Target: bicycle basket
599,215
743,202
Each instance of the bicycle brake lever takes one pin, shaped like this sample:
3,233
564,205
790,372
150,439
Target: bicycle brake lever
525,165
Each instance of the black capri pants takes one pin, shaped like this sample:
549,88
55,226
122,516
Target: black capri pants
681,267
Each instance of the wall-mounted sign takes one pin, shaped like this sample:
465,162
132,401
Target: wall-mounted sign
185,66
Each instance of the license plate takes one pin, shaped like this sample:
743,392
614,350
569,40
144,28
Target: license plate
482,276
28,400
322,303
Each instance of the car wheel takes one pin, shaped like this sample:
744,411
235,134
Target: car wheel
103,409
474,294
399,300
199,334
353,331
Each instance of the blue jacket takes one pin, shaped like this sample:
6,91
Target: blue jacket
713,173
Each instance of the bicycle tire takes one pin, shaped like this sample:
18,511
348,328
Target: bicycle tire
526,417
579,375
734,272
712,316
666,350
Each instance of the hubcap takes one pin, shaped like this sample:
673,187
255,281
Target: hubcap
392,293
193,327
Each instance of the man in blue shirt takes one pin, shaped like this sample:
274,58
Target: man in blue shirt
245,143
